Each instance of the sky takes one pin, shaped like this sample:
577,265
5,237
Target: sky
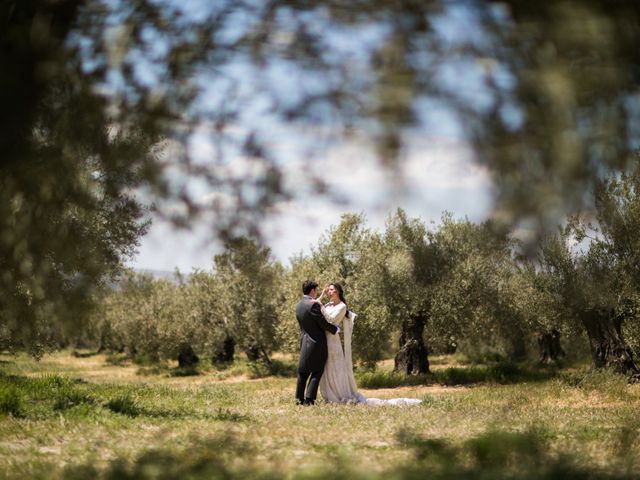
438,174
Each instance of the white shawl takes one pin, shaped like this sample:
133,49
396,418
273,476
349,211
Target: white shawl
347,323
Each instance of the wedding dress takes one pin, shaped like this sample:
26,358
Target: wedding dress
337,384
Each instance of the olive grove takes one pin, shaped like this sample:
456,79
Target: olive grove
103,102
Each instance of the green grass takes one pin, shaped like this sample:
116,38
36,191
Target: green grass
11,401
125,405
494,455
273,368
83,417
501,373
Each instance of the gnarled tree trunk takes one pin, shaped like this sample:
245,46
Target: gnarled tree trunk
412,357
608,347
225,354
187,357
550,349
451,347
256,352
517,347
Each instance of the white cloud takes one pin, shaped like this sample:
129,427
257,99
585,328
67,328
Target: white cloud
218,200
165,248
298,225
438,174
444,165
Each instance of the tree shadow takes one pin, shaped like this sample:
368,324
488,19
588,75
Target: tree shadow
498,455
499,373
79,354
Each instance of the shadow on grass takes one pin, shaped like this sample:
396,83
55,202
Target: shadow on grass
501,373
275,368
167,371
605,381
25,397
48,396
126,405
118,360
502,455
494,455
79,354
252,369
184,372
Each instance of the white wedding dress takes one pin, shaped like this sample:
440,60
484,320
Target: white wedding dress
337,384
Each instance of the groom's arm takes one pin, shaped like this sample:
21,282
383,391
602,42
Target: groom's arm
316,313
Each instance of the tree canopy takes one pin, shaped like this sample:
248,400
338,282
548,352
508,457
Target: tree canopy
108,105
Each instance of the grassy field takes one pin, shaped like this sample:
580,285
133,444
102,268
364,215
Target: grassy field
91,416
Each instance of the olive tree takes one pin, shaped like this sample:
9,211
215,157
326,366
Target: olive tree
130,319
345,254
407,270
250,282
588,287
474,301
611,268
541,309
204,294
90,89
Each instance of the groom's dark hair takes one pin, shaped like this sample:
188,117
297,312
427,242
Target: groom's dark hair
308,285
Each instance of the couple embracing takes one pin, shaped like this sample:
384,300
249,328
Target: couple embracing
324,364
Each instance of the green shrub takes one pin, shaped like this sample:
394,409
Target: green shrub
499,373
605,381
273,368
11,401
506,372
479,357
184,372
117,359
382,379
124,405
225,415
160,369
69,398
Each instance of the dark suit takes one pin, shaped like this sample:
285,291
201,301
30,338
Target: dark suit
313,348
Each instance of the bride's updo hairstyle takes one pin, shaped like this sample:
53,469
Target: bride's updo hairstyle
340,290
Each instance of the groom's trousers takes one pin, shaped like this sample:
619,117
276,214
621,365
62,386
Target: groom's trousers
311,388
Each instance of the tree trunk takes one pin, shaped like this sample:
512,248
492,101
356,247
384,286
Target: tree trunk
608,348
106,341
187,358
451,347
257,352
550,349
225,354
412,358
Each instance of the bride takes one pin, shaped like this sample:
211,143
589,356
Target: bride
337,384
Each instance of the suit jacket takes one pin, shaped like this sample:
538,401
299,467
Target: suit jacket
313,340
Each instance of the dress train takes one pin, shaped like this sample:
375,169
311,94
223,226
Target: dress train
338,385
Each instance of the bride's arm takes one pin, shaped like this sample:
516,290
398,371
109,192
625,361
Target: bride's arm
335,316
321,295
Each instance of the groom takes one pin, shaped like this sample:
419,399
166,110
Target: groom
313,344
